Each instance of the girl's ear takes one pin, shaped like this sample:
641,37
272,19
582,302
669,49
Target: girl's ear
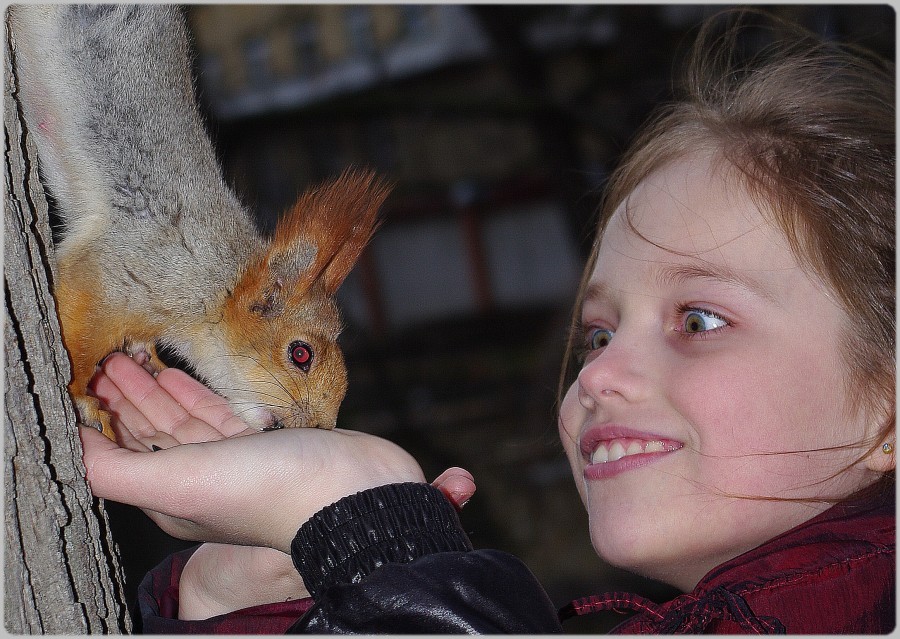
884,458
323,235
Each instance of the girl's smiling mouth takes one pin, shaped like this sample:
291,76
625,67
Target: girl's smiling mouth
608,452
619,448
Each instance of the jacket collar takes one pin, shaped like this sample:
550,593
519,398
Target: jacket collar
866,518
861,521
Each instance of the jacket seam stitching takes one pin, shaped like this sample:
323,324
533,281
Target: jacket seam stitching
747,589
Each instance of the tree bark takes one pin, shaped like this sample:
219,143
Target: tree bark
60,562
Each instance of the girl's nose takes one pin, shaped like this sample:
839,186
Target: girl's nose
619,370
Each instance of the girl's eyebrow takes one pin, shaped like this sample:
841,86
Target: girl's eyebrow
595,292
668,275
673,274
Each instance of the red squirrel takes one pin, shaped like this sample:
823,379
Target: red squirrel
156,247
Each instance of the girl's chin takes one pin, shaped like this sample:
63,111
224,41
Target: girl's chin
663,572
636,549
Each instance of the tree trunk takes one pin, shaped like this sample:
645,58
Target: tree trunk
61,566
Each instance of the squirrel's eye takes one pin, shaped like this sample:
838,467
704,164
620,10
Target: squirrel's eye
301,355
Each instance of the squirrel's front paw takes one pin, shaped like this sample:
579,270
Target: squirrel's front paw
144,353
90,414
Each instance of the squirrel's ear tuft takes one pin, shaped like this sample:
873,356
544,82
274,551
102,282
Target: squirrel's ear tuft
323,235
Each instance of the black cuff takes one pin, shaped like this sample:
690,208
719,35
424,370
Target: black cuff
397,523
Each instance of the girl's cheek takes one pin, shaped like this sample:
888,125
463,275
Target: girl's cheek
740,417
571,417
720,405
568,423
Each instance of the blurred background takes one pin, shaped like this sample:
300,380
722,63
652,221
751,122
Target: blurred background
498,125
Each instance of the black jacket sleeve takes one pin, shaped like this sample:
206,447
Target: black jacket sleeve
394,559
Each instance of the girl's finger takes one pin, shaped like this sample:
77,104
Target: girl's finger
138,388
127,420
457,484
144,407
201,402
103,460
160,441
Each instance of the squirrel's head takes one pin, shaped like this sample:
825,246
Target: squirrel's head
281,323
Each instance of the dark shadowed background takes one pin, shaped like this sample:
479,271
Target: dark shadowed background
498,125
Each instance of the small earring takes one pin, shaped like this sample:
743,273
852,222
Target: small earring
887,448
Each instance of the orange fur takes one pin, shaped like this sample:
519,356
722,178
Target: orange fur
282,297
91,330
341,218
287,295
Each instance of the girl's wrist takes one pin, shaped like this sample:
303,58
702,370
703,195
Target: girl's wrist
222,578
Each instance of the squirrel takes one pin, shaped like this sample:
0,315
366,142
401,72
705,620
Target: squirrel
156,247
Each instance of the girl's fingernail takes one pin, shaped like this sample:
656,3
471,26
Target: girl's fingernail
457,497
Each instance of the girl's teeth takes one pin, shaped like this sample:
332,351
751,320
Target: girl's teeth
617,450
654,447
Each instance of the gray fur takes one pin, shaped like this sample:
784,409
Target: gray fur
126,148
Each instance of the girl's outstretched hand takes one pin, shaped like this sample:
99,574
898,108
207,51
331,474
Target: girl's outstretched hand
211,480
254,490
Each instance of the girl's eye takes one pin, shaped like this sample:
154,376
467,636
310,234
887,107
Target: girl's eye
698,321
600,338
301,355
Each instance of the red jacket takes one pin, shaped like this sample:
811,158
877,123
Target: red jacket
832,574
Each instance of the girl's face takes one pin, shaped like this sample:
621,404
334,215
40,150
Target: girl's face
713,377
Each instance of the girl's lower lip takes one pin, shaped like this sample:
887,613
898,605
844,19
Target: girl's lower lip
605,470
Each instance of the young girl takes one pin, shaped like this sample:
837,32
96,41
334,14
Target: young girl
729,422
